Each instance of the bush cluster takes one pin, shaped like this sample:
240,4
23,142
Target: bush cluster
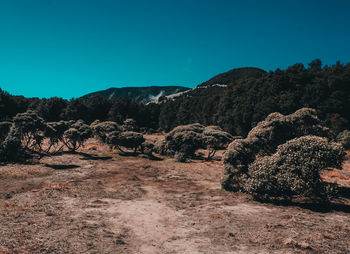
127,139
183,141
27,134
120,137
344,139
282,157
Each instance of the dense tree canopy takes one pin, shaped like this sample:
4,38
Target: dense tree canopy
241,105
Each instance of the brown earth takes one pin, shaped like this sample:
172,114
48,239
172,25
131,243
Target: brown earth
101,202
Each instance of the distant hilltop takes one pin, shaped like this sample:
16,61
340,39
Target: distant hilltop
233,75
154,93
139,94
217,83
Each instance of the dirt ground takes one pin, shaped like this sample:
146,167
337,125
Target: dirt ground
100,202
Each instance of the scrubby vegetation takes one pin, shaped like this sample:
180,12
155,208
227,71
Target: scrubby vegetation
344,139
183,141
282,157
127,139
294,170
246,100
26,134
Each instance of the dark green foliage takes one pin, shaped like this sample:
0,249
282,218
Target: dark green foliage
294,170
344,139
147,148
277,129
180,157
127,139
88,109
160,147
52,109
215,138
11,105
4,129
76,135
185,140
11,148
245,102
31,129
22,137
279,158
129,125
102,129
54,132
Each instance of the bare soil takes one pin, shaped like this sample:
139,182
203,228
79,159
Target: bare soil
97,201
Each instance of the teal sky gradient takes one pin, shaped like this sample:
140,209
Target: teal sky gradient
68,48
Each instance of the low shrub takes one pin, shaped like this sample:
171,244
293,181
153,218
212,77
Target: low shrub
294,170
130,125
4,130
128,139
76,135
11,149
344,139
282,157
215,138
102,129
184,140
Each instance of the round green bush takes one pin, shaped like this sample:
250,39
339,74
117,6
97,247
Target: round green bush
266,164
294,170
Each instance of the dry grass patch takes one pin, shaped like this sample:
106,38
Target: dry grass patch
50,186
17,171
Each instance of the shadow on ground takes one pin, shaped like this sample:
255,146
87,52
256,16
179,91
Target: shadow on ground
61,167
94,157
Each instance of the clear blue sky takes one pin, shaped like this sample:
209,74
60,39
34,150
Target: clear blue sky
68,48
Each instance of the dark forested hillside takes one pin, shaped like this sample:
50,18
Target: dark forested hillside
245,102
87,109
236,108
139,94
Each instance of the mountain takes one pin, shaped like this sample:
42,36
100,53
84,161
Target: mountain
219,81
234,75
139,94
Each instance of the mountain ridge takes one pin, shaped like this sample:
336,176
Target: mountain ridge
143,94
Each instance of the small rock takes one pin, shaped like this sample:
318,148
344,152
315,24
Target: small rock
288,241
304,245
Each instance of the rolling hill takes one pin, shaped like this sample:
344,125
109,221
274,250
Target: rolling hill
139,94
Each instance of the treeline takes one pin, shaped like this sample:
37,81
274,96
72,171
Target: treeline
86,109
244,103
236,109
